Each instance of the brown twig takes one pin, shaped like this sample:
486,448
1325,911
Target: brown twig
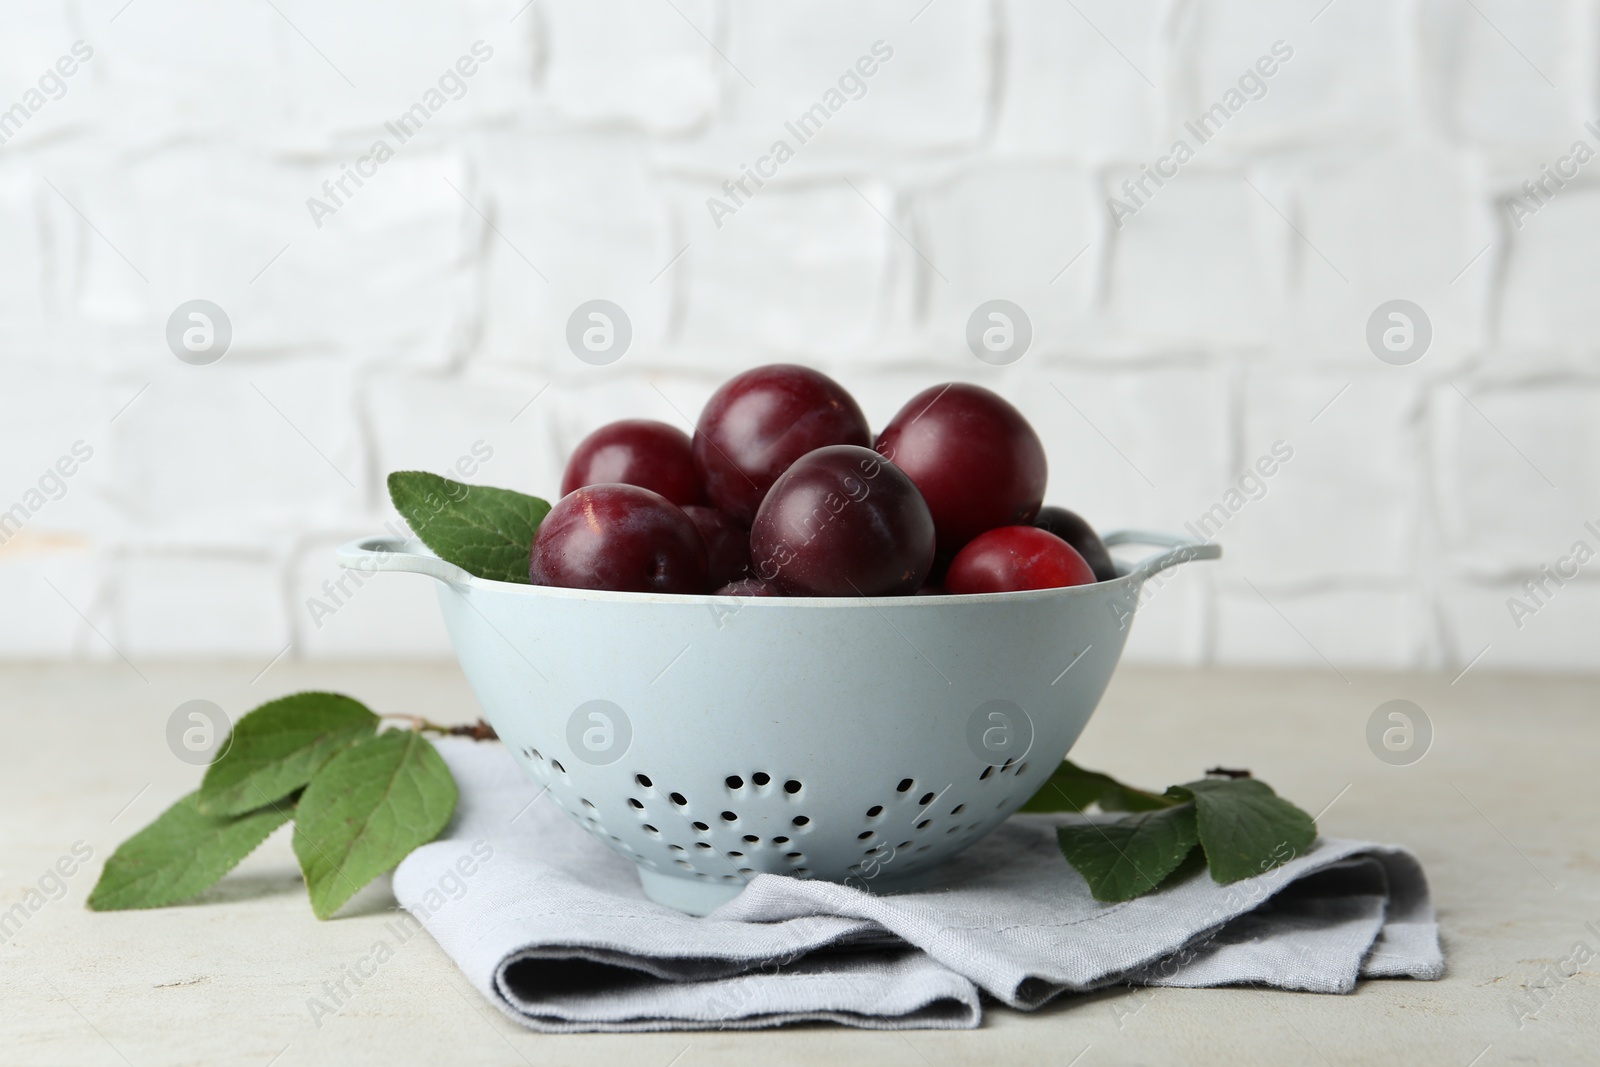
478,731
1224,772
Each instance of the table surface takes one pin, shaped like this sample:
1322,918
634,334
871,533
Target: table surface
1514,862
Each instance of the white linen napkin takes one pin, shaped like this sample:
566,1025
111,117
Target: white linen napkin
554,929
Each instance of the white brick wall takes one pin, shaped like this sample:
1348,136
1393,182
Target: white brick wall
1172,348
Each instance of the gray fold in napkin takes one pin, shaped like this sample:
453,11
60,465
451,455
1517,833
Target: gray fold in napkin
554,928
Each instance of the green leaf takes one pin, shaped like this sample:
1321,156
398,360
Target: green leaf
276,748
1071,788
183,852
1132,856
1245,828
485,531
365,810
1119,797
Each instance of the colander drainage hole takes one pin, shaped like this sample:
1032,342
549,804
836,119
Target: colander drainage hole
535,754
952,829
734,781
586,802
702,827
635,803
752,838
702,844
903,844
794,855
1022,767
684,863
802,872
730,816
651,829
927,798
746,870
761,778
923,825
875,811
643,780
792,786
557,765
780,840
865,835
958,809
987,771
677,848
800,820
737,855
922,848
904,786
678,799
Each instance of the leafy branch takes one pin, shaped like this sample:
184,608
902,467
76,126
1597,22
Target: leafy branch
1233,823
361,801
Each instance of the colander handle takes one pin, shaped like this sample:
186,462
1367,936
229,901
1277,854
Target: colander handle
1177,550
397,554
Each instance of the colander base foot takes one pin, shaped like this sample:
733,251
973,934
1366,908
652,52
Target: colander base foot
686,895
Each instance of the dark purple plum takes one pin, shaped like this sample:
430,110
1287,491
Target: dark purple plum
843,521
727,544
651,455
618,537
760,422
977,462
1076,531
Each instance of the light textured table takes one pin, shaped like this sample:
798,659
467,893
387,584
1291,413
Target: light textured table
1500,811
